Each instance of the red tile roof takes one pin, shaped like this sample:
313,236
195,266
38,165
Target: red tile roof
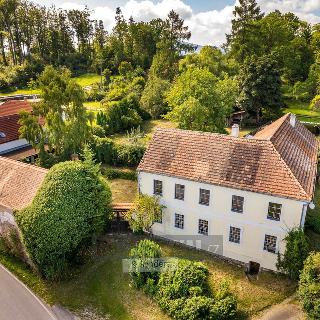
10,127
280,161
12,107
9,116
19,183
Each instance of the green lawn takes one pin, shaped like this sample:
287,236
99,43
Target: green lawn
93,105
302,110
20,91
123,190
84,80
102,286
88,79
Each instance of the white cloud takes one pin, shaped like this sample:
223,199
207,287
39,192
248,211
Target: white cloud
207,27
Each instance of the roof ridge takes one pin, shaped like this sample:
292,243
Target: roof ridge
207,133
22,164
287,168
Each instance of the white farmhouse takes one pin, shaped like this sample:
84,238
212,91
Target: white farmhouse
247,192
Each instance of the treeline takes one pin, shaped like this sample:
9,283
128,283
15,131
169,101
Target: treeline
32,36
278,55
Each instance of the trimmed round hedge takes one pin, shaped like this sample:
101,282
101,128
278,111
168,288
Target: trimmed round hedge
71,206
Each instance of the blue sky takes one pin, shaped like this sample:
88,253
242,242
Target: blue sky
208,20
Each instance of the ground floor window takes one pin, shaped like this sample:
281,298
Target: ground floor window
234,234
203,227
270,243
179,220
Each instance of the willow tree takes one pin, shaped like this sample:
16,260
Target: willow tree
61,108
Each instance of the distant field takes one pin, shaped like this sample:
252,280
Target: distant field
302,110
87,79
83,80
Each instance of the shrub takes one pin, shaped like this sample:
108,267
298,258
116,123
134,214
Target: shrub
69,209
315,103
309,286
145,211
111,173
143,253
297,250
180,282
128,154
98,131
184,293
103,149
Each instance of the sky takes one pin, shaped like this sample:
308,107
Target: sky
208,20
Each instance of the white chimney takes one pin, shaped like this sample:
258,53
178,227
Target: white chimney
292,119
235,130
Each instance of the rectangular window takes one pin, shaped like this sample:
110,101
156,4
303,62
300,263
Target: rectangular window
204,197
158,218
157,187
179,192
179,221
234,234
203,227
270,243
237,204
274,211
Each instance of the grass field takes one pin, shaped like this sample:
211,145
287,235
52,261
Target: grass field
88,79
100,284
123,190
84,80
302,110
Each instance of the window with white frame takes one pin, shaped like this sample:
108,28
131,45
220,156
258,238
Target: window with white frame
203,227
204,197
270,243
274,211
157,187
234,234
179,220
179,191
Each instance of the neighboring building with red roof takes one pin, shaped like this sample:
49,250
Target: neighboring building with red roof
9,126
249,191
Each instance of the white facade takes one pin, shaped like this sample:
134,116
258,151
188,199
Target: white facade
252,222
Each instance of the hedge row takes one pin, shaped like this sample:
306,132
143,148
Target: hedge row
108,152
183,292
111,173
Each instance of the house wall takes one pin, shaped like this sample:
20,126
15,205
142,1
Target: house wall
13,145
253,221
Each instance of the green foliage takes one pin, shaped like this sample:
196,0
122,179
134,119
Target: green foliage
107,152
260,85
184,293
128,154
69,209
112,173
98,131
153,96
66,128
143,254
297,250
309,286
145,211
103,149
315,103
198,100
